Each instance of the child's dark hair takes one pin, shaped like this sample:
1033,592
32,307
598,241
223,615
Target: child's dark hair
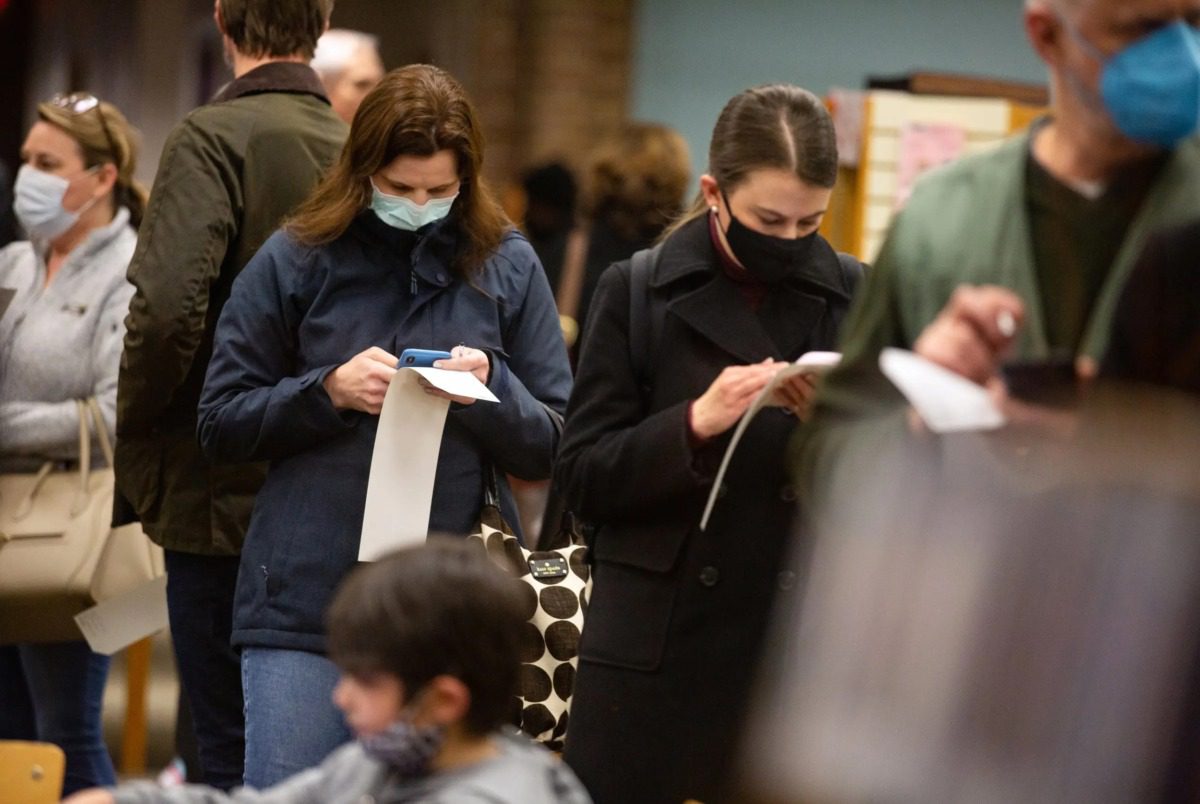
439,609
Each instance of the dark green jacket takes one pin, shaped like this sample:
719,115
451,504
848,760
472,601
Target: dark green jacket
966,223
229,174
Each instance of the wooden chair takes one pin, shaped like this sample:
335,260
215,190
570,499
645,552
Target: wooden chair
30,773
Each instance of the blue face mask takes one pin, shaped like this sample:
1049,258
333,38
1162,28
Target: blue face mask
403,213
1151,89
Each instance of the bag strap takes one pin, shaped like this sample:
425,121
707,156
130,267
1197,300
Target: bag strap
491,486
101,430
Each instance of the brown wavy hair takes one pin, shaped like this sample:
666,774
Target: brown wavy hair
105,137
636,179
417,110
774,126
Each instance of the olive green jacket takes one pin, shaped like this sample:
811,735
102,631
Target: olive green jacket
966,223
229,174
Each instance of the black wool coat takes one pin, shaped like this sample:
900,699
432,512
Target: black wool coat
677,616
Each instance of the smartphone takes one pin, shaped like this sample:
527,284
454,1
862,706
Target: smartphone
421,358
1053,382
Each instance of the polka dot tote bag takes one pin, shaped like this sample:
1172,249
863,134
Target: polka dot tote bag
555,583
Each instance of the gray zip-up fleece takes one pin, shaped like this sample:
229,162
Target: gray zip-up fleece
61,343
523,773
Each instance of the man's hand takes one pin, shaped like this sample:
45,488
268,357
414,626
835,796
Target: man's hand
973,332
362,383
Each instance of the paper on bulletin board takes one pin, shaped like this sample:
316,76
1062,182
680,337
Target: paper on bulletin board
924,146
404,461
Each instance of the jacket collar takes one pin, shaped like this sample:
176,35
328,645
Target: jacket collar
431,248
97,240
793,310
274,76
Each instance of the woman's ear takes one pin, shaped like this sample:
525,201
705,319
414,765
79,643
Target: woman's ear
106,178
710,190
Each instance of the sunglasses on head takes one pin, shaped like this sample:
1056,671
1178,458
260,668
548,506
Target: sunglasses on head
81,103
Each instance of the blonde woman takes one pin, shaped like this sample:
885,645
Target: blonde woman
60,340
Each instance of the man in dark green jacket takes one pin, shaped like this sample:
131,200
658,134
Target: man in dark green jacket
229,174
1022,252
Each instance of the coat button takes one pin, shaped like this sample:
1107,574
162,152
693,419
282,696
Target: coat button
441,277
788,493
786,580
709,576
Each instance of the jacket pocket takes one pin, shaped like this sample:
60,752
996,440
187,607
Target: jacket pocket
138,465
628,617
653,545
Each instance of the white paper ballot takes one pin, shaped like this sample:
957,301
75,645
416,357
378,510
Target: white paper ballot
809,363
945,401
404,461
120,621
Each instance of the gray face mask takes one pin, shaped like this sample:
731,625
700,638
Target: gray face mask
406,749
37,202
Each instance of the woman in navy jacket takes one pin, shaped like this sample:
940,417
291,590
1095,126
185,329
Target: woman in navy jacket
401,246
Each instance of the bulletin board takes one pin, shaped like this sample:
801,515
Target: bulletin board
902,136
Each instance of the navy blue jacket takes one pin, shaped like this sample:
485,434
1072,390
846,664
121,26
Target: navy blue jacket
295,314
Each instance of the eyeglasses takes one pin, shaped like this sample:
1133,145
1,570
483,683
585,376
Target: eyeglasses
82,103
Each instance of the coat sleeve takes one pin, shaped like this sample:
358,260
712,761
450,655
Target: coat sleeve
518,434
614,458
53,427
858,411
189,225
252,408
311,786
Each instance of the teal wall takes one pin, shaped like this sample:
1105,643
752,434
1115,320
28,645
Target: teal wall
693,55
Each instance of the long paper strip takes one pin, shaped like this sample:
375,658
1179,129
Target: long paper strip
404,461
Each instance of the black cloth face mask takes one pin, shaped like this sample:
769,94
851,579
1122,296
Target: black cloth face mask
768,259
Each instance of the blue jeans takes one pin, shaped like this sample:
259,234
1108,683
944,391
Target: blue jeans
291,722
52,692
200,606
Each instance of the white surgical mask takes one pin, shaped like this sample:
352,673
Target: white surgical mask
37,202
403,213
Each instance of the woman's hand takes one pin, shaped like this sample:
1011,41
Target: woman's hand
362,383
730,394
797,393
462,358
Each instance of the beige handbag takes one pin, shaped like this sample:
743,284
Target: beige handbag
59,553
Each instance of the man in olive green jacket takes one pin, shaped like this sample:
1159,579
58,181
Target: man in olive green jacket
229,174
1021,252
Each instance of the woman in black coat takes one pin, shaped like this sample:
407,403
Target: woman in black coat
679,341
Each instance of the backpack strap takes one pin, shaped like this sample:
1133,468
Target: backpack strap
644,327
853,272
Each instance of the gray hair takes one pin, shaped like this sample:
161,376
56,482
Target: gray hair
337,47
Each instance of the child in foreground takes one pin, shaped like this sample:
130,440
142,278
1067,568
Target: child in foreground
427,642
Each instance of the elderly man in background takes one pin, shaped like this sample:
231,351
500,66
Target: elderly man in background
349,66
1023,251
